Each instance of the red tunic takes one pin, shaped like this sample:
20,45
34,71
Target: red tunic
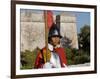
40,62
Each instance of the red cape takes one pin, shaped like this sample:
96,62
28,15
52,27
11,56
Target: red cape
40,62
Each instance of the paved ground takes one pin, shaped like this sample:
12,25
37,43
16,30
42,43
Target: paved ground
80,65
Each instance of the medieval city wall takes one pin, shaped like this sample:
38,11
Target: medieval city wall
33,30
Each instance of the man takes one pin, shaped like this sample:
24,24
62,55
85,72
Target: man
55,56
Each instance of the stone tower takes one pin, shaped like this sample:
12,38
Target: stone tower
33,29
68,29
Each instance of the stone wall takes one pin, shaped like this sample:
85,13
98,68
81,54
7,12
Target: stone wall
33,30
68,28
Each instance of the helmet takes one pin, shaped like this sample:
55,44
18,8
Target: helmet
54,31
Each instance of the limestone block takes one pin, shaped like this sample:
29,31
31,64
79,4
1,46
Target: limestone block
34,17
69,30
67,19
32,35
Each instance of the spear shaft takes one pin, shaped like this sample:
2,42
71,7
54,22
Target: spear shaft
46,33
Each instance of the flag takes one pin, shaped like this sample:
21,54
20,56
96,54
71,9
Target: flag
50,20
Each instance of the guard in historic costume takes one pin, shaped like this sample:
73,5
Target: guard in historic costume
55,56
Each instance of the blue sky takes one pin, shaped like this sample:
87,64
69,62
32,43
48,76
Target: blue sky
82,18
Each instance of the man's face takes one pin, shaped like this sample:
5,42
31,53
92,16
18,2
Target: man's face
55,40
